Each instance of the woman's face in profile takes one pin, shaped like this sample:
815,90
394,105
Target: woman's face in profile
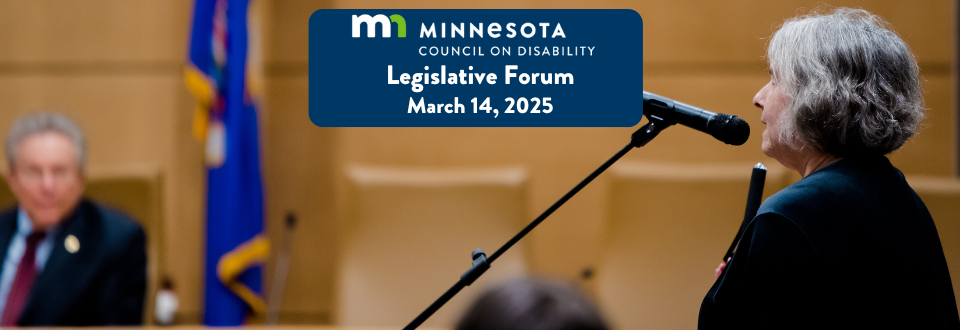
771,102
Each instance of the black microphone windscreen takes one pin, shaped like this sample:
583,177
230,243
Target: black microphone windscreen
729,129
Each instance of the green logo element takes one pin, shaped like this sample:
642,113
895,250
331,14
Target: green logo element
401,25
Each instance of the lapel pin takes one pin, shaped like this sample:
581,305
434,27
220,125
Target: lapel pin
72,244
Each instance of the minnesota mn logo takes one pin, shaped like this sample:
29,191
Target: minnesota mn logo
372,21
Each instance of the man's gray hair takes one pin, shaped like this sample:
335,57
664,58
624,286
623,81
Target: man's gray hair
853,85
41,123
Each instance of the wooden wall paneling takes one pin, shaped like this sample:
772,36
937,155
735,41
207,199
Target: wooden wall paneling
106,34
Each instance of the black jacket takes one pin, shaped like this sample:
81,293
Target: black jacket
851,246
102,283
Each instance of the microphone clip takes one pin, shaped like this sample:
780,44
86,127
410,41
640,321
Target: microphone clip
649,131
480,265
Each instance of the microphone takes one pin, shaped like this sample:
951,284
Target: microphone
727,128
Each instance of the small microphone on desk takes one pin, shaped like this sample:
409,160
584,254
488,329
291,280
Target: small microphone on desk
280,271
727,128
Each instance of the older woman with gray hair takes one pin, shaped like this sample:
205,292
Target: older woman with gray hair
850,245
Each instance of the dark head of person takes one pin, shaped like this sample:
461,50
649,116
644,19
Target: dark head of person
842,85
532,304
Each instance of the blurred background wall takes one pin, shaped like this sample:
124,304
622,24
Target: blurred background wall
117,67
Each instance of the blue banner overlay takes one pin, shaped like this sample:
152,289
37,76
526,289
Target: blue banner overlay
476,68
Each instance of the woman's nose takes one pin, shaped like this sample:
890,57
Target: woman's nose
759,99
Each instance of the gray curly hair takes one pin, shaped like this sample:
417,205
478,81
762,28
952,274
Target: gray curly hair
853,85
41,123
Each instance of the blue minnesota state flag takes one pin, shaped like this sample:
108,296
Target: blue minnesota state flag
226,120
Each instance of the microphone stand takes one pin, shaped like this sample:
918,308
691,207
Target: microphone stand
480,260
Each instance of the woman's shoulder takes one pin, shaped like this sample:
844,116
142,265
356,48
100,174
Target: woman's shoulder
810,192
847,187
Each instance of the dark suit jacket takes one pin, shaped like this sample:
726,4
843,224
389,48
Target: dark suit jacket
103,283
851,246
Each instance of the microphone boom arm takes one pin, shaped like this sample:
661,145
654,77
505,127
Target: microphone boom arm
480,260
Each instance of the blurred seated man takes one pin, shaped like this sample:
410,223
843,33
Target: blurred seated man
66,261
531,304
